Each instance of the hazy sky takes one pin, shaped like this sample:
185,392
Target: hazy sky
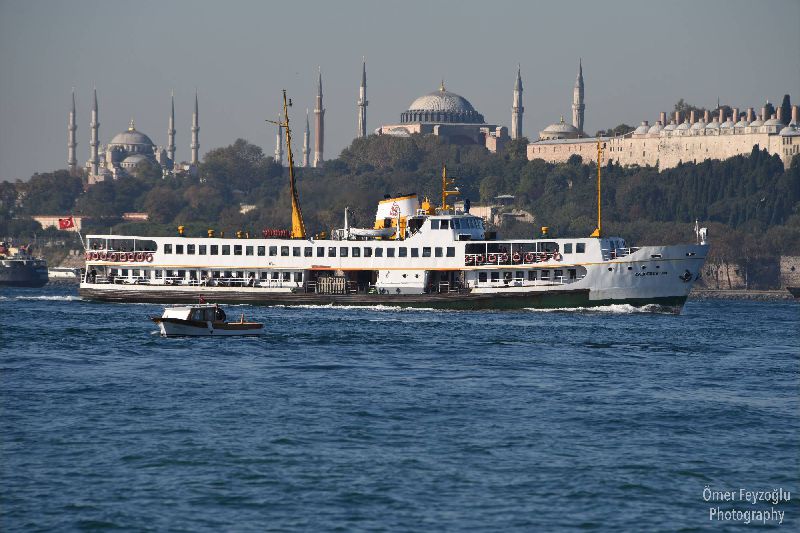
639,58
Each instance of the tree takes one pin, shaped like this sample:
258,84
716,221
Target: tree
51,193
162,204
786,109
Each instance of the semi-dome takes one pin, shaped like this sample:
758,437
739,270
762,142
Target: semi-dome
133,160
131,137
442,106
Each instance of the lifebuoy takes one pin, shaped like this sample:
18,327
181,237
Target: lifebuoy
557,256
516,257
479,258
87,255
492,258
103,256
95,256
149,257
503,257
129,257
139,257
468,260
530,257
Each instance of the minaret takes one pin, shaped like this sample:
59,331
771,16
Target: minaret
305,142
577,100
195,146
319,132
171,131
72,144
517,109
279,144
362,102
94,157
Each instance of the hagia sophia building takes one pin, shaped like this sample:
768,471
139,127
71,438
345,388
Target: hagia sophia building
448,115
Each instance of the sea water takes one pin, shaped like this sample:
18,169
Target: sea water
384,419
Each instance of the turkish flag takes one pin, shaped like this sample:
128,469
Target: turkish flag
66,223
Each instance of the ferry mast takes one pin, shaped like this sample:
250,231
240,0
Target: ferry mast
298,226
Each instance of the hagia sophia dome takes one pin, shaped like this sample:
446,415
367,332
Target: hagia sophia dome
441,106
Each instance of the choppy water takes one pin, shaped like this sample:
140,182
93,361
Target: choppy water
394,420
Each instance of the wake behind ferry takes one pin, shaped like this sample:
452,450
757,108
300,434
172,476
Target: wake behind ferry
415,255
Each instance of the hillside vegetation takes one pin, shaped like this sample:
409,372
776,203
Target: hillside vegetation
750,204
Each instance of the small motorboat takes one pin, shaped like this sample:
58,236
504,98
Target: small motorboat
203,320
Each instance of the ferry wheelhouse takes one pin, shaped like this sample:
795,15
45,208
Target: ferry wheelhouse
416,255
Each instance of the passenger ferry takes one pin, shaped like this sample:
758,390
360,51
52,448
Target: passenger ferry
416,255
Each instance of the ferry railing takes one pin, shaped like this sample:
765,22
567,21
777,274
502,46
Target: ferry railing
616,253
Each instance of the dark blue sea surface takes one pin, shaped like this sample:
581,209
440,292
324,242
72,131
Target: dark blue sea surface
381,419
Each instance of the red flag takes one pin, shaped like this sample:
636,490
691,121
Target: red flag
66,223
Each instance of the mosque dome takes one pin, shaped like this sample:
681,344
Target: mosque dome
790,131
683,126
698,126
773,122
642,129
713,125
741,124
727,124
442,106
669,127
756,123
131,137
656,128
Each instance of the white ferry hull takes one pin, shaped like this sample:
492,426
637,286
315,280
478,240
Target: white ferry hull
188,328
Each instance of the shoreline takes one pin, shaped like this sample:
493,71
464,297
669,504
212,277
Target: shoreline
740,294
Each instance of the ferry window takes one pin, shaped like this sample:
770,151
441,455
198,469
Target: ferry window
248,250
378,252
286,276
331,251
495,277
444,225
545,274
531,275
158,274
114,272
451,251
178,248
580,248
228,274
273,251
390,252
262,251
284,251
226,249
573,273
320,251
275,275
181,274
167,248
298,277
237,249
558,274
549,247
426,251
568,248
124,272
434,224
202,249
456,224
135,273
482,277
438,251
402,251
216,274
343,251
190,249
263,275
295,251
355,252
214,249
519,275
415,252
367,251
308,251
